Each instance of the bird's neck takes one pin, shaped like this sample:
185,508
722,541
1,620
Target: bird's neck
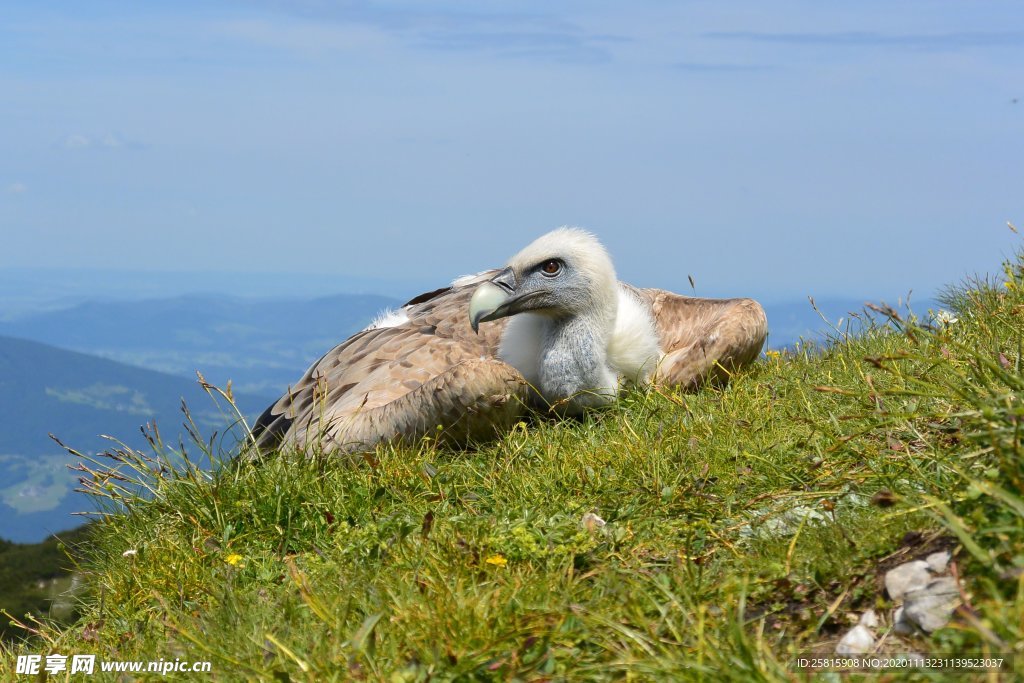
573,369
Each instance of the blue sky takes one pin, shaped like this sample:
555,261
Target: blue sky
769,149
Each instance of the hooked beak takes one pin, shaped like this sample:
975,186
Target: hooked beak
493,299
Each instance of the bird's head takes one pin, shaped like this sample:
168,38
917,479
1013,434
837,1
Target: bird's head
562,274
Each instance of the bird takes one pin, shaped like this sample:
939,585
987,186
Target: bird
553,330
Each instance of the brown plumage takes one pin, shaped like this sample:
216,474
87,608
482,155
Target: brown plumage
426,372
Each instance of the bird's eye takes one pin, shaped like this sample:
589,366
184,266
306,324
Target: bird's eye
551,268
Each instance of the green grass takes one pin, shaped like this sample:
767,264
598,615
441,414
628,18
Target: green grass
745,525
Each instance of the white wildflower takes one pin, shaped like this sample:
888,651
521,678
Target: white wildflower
592,522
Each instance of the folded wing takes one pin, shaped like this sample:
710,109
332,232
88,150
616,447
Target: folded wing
403,380
705,339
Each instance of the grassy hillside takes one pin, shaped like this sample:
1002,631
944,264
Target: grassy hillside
742,526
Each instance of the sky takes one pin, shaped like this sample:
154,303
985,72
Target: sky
767,149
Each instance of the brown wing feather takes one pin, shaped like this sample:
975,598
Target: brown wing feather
705,339
401,382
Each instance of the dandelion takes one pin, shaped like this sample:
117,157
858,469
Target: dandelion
1010,284
497,560
945,317
772,354
234,559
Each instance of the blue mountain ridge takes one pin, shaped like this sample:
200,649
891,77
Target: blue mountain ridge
79,398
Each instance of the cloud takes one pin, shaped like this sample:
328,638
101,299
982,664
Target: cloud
323,26
17,188
928,41
103,141
112,140
76,141
562,46
716,67
301,36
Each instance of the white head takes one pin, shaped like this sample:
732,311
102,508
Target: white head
564,274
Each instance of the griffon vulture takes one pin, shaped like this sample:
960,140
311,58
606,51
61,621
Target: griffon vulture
553,329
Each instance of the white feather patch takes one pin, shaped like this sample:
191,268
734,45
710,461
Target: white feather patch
634,350
521,345
464,280
389,318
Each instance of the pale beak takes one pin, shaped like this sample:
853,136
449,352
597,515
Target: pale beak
491,299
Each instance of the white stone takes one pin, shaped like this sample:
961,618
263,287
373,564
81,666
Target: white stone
931,607
869,619
907,577
857,641
901,626
938,562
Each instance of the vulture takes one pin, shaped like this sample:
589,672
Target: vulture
553,330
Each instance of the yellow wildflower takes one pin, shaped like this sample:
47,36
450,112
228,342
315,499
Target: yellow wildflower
1010,284
496,560
234,559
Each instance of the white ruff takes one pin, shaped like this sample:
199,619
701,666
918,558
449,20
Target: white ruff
633,349
521,345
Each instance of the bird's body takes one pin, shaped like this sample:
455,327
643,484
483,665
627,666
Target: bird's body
560,331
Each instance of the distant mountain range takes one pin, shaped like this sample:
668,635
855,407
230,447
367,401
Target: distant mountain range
78,397
27,291
261,345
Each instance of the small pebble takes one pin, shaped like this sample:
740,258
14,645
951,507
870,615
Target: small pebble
859,639
938,562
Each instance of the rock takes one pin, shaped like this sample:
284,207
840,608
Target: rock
907,577
869,619
859,640
901,627
938,562
785,523
930,607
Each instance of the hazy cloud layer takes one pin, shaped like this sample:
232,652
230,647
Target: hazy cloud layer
102,141
718,67
532,35
930,41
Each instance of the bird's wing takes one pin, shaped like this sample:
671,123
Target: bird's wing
402,381
704,339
